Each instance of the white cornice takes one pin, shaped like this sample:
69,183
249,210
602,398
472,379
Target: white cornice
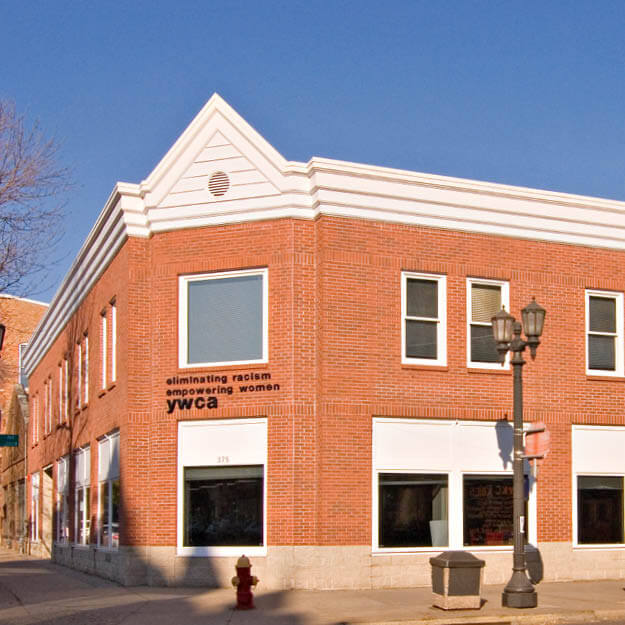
319,187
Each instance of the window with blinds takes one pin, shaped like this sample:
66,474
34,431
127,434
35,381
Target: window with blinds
424,319
484,300
604,334
223,318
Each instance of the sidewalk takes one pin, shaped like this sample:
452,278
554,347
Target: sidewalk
36,591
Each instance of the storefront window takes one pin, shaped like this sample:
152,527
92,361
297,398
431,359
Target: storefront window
599,510
413,510
108,491
488,513
223,506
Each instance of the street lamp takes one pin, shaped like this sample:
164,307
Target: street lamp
519,592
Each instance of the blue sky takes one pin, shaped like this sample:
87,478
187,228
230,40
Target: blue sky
523,93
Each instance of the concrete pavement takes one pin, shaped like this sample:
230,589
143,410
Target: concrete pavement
34,591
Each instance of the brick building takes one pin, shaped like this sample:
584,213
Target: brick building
293,360
20,317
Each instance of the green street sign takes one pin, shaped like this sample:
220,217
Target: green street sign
8,440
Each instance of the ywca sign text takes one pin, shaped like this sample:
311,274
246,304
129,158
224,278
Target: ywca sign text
204,391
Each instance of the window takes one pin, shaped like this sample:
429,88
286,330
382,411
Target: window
47,408
604,333
103,347
488,510
23,379
441,484
60,393
82,372
222,487
413,510
223,318
113,340
108,491
599,510
34,508
82,493
424,304
35,420
484,300
65,389
223,506
79,375
86,369
62,500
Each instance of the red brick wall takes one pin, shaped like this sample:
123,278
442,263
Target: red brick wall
334,348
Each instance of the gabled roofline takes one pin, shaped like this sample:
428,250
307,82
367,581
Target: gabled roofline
324,187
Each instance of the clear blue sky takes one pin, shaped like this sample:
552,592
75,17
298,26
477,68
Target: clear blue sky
526,93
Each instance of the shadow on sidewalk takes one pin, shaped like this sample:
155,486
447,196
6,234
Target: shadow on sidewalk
38,592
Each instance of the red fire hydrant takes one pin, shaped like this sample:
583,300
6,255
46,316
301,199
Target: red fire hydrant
244,582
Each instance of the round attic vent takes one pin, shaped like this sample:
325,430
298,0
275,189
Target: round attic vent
219,183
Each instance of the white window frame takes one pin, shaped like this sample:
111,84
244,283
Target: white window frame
82,490
595,460
113,340
619,371
34,507
505,301
231,442
104,348
104,463
441,321
66,390
456,468
60,420
48,406
79,376
20,353
183,299
86,371
62,499
35,420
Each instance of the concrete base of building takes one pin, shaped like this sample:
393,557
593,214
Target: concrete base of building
322,568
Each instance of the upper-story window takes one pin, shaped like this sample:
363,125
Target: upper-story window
23,379
82,372
223,318
604,333
424,319
104,347
113,340
484,300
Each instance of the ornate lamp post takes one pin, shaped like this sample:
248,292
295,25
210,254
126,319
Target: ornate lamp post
519,592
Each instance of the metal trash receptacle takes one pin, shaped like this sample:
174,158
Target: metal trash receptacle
457,580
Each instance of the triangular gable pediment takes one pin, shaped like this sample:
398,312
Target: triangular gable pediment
219,158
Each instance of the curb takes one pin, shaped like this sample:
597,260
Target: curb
543,618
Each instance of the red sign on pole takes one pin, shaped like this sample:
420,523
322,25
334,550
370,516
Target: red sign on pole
537,441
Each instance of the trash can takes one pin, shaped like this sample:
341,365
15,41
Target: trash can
457,580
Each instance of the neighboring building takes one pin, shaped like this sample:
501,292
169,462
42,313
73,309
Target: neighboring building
294,361
15,522
20,317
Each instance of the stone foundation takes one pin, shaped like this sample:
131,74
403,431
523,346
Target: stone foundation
323,568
